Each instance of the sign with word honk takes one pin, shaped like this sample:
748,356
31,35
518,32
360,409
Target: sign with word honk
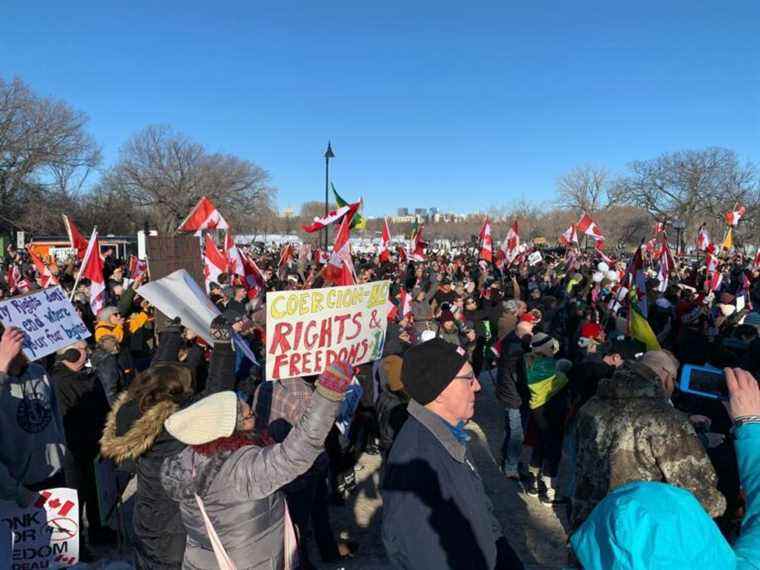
308,330
47,318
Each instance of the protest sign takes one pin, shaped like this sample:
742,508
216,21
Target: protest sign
308,330
178,295
47,319
535,258
43,535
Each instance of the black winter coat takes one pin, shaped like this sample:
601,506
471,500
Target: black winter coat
436,513
511,375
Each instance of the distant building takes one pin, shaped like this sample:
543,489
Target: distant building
433,211
403,212
420,212
287,213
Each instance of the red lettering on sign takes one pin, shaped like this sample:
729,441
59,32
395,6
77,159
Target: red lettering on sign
295,360
325,334
281,330
310,335
341,320
357,322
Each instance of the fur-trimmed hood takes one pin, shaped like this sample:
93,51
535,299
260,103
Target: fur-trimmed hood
141,430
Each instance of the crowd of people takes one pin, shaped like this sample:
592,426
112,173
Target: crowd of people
235,471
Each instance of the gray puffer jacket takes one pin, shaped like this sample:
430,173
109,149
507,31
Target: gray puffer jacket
240,492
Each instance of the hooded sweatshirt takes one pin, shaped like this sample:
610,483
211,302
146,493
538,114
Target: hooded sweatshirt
32,440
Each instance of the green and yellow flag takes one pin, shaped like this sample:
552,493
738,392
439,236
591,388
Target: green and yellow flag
359,222
639,327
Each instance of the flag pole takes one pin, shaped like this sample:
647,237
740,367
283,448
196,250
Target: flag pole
84,262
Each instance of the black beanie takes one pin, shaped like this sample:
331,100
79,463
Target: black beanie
430,367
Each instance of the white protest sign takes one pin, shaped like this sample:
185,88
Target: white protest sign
62,254
534,258
308,330
43,535
47,319
178,295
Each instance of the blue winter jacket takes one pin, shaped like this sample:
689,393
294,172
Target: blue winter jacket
643,526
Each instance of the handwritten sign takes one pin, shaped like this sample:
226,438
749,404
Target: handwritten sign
47,319
43,535
308,330
535,258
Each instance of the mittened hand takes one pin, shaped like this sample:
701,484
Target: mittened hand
335,380
220,329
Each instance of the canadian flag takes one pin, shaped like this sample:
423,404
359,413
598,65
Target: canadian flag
385,243
404,304
659,227
92,269
711,260
714,280
486,242
137,267
589,227
340,268
43,271
599,247
703,240
511,244
666,266
733,217
332,217
570,236
204,216
214,262
285,256
231,252
13,278
76,239
418,250
254,279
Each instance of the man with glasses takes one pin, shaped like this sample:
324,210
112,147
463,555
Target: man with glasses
630,431
436,513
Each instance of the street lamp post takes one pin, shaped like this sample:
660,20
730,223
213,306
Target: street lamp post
328,155
679,225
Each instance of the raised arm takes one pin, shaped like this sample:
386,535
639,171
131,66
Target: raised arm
744,408
258,472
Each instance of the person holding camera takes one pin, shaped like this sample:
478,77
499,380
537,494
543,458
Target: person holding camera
658,525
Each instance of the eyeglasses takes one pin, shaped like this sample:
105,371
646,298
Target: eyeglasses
470,378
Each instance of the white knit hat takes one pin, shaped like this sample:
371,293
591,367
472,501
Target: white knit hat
208,419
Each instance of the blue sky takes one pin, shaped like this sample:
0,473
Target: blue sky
458,105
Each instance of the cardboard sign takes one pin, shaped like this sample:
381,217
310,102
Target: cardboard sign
43,535
308,330
178,295
47,319
535,258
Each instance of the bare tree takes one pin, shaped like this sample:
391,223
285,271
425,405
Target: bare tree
695,185
165,173
584,189
45,155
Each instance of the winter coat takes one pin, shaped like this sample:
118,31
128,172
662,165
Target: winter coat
661,526
511,375
629,432
240,493
391,415
422,311
132,436
84,408
436,513
32,440
109,372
